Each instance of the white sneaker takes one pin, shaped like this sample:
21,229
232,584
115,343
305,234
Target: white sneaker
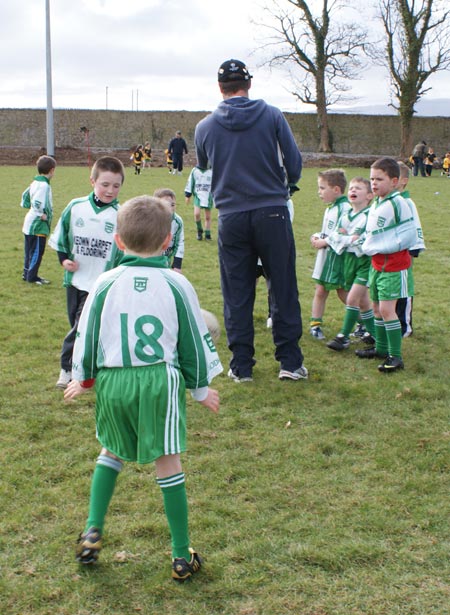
236,378
299,374
269,323
64,379
317,333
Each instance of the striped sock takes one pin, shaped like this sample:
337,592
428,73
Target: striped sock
102,488
176,508
394,337
367,319
350,319
380,337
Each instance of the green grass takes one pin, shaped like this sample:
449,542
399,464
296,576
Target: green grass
322,497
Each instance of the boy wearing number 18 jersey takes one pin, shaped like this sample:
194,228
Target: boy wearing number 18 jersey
143,340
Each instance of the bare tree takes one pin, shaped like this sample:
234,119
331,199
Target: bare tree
321,52
416,45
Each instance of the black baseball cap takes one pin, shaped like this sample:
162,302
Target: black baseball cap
233,70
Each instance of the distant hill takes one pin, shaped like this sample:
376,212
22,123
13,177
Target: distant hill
439,107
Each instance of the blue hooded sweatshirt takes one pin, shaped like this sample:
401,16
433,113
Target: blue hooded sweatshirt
252,152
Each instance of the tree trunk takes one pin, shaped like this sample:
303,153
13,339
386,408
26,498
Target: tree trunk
406,139
322,116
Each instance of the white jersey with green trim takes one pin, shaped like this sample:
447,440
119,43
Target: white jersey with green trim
40,200
142,313
176,245
331,218
198,186
420,243
351,223
386,214
85,232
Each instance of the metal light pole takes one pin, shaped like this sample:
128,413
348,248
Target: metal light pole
50,128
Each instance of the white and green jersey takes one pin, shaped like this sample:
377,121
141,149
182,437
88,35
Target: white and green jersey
176,245
37,198
327,265
386,215
420,243
85,232
142,313
198,186
351,223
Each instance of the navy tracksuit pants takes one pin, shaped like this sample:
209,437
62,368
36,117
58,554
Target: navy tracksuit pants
243,237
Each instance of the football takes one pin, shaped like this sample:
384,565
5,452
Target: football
212,323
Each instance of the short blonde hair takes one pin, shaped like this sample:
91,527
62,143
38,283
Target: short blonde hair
362,180
143,223
162,193
404,170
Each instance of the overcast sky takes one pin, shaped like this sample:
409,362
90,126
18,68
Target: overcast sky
145,55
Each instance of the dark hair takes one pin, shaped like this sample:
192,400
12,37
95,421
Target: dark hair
108,163
334,177
45,164
388,166
231,87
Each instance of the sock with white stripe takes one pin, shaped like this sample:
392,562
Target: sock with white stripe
102,489
394,337
350,319
176,507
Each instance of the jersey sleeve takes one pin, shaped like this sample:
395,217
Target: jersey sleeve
197,354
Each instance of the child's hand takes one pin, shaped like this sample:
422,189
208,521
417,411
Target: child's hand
44,217
73,389
70,265
211,401
317,242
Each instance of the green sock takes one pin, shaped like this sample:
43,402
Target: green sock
199,226
207,233
176,507
102,489
367,319
380,336
350,319
394,337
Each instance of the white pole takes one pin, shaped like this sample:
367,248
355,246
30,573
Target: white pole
50,127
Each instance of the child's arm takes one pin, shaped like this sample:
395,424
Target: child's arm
211,401
75,388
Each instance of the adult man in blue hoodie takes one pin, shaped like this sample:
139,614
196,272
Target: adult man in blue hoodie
255,161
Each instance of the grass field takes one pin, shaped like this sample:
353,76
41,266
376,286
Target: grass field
322,497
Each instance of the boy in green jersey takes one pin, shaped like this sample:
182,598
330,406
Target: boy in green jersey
83,238
37,199
347,240
142,340
328,268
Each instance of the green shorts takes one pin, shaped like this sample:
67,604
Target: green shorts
141,412
391,285
356,270
329,269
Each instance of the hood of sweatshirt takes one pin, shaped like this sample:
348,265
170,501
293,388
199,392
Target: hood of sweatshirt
239,112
